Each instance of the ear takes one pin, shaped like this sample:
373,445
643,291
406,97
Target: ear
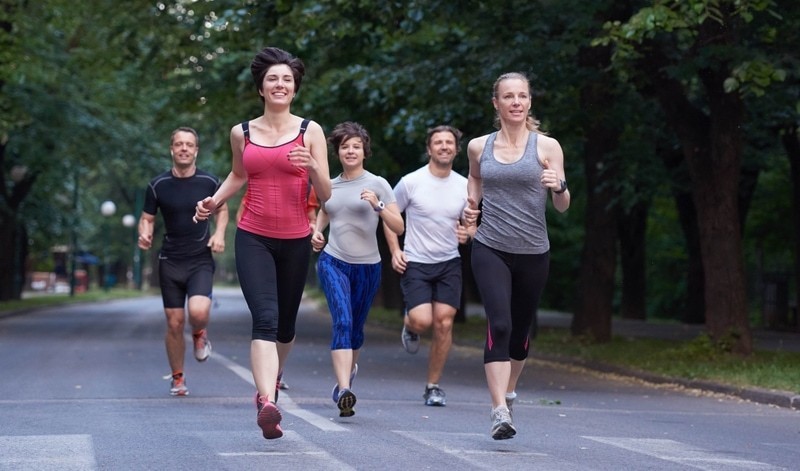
172,154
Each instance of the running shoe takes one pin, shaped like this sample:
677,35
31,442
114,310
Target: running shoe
202,347
510,401
502,428
410,340
335,391
434,396
345,403
178,387
269,418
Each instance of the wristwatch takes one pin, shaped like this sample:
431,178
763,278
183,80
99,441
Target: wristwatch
563,188
380,206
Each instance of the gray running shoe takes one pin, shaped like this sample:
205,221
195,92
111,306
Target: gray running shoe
510,402
434,396
502,428
335,391
410,340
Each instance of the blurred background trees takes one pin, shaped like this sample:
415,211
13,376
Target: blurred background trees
678,121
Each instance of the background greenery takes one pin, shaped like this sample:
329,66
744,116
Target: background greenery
90,92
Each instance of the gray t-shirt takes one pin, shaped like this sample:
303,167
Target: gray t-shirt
514,201
433,207
353,222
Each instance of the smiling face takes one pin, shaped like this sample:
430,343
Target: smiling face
512,100
184,149
351,153
278,86
442,149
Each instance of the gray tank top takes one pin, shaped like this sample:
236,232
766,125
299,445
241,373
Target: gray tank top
514,201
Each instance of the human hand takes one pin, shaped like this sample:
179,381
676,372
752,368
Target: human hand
317,241
399,261
549,178
462,233
145,241
471,212
370,197
301,156
204,209
217,244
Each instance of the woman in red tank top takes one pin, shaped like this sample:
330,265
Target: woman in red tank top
278,155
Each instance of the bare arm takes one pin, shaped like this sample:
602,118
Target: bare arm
474,188
553,162
217,240
146,227
318,239
314,157
232,184
399,261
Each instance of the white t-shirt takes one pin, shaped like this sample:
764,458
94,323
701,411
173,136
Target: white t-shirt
433,207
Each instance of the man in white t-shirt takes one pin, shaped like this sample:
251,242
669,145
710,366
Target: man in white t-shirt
433,199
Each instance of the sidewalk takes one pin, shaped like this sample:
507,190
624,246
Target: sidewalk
762,340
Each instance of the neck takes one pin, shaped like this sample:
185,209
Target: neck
515,135
438,170
276,117
183,172
352,174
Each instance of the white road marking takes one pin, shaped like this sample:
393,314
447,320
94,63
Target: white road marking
682,453
286,402
47,452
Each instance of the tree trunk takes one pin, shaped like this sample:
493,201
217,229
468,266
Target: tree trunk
595,293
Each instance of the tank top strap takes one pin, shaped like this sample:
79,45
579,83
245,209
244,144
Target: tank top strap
304,126
246,130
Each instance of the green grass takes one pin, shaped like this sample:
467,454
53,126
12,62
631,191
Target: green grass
47,300
697,359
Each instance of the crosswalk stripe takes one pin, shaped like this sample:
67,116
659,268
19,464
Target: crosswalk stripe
682,453
47,453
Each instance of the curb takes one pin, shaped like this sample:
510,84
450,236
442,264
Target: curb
785,399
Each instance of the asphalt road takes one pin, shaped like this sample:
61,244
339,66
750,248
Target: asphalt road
82,388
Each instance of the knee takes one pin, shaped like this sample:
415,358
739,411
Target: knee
443,326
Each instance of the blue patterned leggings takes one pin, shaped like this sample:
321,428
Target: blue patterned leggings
349,290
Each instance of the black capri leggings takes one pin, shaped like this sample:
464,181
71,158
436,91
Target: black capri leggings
510,286
272,274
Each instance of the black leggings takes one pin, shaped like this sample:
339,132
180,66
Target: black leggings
272,274
510,286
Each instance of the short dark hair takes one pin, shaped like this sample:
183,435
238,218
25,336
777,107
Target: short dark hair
346,130
444,128
185,129
270,56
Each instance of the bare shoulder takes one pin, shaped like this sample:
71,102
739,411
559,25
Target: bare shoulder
237,131
548,146
476,145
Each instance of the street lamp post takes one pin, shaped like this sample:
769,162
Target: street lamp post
107,209
129,221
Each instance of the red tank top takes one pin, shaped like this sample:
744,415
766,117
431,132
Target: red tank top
277,192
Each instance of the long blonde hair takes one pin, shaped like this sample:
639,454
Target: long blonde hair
530,122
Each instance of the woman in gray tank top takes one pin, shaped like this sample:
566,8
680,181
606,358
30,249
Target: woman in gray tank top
511,171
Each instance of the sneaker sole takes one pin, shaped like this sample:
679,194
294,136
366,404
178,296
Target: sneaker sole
269,420
335,390
504,431
345,403
435,403
179,393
